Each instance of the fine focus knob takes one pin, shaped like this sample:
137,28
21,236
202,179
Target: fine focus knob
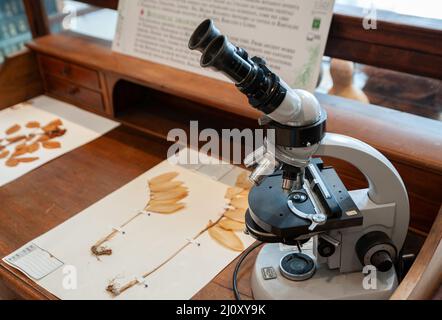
376,248
382,261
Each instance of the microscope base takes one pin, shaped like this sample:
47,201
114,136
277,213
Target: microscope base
326,284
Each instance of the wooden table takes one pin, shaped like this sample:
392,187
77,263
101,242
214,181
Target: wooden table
53,193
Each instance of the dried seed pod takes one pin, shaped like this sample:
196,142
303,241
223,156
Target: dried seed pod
51,144
226,238
232,192
33,147
166,208
14,129
232,225
12,162
166,186
238,215
164,178
27,160
33,125
240,202
4,154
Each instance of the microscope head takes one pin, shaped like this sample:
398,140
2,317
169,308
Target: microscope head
295,116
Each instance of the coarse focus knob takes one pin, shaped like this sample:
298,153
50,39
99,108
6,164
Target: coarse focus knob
376,248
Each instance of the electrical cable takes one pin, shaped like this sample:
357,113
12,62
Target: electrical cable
238,266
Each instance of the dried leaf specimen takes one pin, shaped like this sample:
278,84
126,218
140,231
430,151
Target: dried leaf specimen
164,178
166,194
236,215
233,218
52,126
226,237
32,148
165,186
12,162
166,208
232,225
4,154
30,143
240,202
43,138
33,125
243,181
14,129
51,144
232,192
16,139
27,160
165,197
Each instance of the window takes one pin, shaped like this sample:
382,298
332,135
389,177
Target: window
418,95
14,29
75,16
413,8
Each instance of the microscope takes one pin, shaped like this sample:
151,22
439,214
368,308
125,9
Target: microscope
321,240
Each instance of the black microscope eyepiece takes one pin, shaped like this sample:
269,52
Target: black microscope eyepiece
203,35
223,56
251,76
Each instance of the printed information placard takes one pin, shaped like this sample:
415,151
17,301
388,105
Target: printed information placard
289,34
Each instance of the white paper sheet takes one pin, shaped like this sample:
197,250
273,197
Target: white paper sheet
146,242
82,127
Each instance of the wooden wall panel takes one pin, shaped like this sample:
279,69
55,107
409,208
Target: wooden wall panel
19,79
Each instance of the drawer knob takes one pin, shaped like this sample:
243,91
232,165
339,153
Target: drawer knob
74,90
66,70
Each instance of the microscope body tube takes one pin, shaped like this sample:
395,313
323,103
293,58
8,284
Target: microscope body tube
299,108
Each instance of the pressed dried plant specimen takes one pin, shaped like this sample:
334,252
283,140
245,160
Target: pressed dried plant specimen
222,230
166,195
19,148
233,219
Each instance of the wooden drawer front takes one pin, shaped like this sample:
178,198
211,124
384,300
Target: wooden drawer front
86,77
75,94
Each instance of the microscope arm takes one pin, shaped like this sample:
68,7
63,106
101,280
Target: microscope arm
385,183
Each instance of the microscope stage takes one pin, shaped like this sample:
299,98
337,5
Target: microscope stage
269,212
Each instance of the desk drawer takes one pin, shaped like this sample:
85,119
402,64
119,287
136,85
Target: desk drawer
75,94
86,77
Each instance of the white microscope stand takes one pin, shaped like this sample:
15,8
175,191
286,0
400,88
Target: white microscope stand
384,206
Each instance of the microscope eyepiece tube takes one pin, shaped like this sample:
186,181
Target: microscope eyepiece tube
203,35
223,56
262,87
